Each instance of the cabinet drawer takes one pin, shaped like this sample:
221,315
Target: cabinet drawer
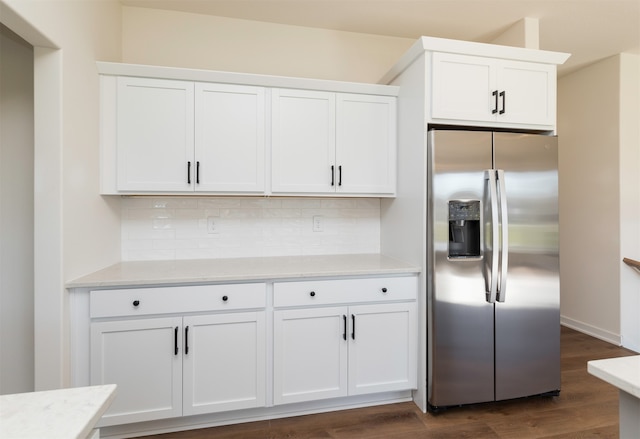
325,292
163,300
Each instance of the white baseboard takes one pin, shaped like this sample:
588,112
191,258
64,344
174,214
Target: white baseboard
591,330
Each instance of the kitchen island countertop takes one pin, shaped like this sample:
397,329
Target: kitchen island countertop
64,413
194,271
622,372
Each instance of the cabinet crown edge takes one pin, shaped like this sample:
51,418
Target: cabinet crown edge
200,75
433,44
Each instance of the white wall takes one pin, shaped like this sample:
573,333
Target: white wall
16,214
74,227
177,39
594,224
630,198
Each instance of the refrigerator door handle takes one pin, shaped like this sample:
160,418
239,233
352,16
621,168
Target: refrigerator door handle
490,175
504,245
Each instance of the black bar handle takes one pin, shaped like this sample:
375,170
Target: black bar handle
186,340
175,341
332,176
340,175
353,326
503,95
188,172
198,172
495,107
344,320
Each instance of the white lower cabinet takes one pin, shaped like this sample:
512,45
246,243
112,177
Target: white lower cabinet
382,349
326,352
310,354
206,349
224,362
179,365
140,357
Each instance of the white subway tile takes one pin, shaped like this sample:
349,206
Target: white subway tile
176,228
175,203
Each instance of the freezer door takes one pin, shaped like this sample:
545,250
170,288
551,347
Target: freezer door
460,328
527,314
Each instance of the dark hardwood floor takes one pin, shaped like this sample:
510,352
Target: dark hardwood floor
586,408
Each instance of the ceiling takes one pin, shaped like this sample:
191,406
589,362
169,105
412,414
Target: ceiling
588,29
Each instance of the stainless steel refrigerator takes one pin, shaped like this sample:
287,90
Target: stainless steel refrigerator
492,249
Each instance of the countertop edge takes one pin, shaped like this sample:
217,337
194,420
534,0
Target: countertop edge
205,271
611,371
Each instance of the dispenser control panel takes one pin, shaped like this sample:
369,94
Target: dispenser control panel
464,210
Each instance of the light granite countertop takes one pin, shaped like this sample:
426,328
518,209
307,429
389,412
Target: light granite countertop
195,271
54,414
622,372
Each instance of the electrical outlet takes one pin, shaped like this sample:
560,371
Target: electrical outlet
318,223
212,224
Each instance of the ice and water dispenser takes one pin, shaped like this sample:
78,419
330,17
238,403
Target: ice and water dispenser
464,229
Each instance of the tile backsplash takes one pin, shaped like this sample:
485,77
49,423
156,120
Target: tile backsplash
177,227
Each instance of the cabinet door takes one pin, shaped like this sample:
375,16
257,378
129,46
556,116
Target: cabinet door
462,87
310,354
154,135
229,138
144,358
530,93
303,141
382,348
366,144
224,362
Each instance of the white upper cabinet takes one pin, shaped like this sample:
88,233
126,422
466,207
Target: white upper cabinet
333,143
229,138
303,141
366,144
171,131
492,91
180,136
530,93
154,134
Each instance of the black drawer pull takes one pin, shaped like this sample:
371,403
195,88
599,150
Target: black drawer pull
495,106
186,340
175,341
225,298
384,290
136,302
312,294
332,176
353,326
188,172
344,334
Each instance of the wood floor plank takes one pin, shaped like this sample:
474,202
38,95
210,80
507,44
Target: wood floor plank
587,408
